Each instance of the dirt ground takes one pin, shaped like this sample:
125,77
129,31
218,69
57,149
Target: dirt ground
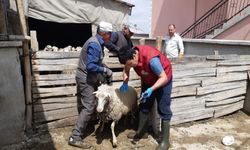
199,135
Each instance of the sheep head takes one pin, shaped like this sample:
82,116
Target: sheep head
102,99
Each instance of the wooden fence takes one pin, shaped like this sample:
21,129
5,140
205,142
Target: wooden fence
203,87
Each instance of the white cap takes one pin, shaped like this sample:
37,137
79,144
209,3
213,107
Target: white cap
132,28
105,26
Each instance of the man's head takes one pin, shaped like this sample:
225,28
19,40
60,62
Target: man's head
171,29
130,30
104,29
129,56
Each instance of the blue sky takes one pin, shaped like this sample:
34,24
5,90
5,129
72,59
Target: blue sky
141,14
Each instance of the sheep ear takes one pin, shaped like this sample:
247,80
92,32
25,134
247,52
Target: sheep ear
94,93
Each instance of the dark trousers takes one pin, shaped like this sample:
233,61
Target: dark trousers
163,97
86,107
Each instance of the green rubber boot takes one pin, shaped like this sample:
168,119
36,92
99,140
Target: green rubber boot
165,128
142,129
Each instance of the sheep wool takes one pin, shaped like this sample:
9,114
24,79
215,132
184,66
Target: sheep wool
115,104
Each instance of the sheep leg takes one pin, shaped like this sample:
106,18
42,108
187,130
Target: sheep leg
113,134
101,126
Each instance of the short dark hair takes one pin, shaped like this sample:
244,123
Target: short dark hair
125,53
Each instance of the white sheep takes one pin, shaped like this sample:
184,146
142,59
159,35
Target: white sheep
112,104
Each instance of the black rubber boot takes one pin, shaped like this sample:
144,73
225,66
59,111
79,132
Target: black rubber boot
141,131
165,128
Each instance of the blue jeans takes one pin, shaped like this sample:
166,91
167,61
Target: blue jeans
163,97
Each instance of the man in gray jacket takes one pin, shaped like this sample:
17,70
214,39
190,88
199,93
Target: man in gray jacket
122,38
89,73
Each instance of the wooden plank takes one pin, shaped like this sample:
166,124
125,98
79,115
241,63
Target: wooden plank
233,63
221,70
69,121
186,106
57,91
70,61
193,71
191,116
226,101
51,77
220,87
186,82
53,67
221,57
33,41
57,82
55,114
184,91
54,55
229,77
59,100
52,106
224,94
228,109
191,65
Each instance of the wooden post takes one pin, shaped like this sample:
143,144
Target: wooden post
158,42
27,69
33,41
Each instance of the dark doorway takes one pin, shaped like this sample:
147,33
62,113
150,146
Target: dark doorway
60,34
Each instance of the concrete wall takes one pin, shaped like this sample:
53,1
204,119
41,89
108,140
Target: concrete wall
12,101
207,46
182,13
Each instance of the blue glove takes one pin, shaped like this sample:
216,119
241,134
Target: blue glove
146,95
124,87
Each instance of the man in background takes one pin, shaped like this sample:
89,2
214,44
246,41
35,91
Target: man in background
173,44
122,38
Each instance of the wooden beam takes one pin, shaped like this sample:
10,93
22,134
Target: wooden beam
27,69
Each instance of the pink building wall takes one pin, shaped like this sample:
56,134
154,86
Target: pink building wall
182,13
240,31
